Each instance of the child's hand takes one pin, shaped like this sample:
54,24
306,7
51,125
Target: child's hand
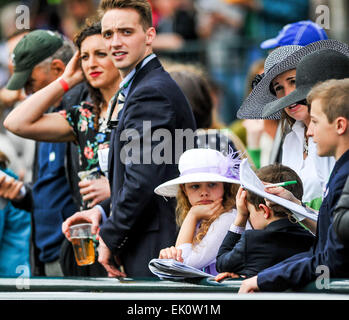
171,253
224,275
206,211
241,205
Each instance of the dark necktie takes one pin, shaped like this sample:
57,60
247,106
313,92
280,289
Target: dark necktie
120,100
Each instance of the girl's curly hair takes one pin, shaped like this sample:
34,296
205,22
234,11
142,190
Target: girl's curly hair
183,207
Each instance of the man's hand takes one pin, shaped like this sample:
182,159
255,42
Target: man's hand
88,216
10,97
10,188
249,285
95,190
108,261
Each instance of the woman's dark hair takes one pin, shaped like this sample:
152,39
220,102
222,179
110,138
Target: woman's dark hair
90,29
197,90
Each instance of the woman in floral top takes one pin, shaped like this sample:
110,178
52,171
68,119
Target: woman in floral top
84,124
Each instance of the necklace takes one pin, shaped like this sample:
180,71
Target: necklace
305,145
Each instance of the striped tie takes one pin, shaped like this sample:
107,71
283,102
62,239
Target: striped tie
120,103
116,113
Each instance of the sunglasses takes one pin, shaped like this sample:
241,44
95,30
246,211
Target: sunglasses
303,102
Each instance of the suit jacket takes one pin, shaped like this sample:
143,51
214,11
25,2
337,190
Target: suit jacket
255,250
341,216
141,222
299,270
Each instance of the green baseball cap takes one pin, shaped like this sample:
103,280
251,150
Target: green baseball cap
33,48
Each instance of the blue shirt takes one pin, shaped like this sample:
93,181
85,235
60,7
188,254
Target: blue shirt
52,198
15,232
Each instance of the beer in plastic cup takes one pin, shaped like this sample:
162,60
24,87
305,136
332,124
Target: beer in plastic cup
82,241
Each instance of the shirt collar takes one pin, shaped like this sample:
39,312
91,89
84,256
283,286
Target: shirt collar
130,77
278,224
340,162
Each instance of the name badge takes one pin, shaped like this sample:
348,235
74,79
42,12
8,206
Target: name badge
103,159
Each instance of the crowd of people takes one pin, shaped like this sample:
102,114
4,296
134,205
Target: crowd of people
132,144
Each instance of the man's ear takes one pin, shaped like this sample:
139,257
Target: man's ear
57,67
266,210
150,35
341,125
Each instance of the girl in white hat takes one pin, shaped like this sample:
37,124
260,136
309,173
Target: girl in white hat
205,191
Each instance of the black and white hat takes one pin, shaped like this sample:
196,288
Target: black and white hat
255,105
261,95
316,67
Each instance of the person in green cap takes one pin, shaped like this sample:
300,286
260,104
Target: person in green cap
39,58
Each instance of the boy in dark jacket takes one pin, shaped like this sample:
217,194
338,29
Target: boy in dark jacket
275,235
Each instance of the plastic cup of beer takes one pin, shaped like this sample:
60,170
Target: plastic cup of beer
82,241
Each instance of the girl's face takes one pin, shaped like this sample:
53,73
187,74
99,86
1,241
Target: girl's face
283,85
200,193
97,66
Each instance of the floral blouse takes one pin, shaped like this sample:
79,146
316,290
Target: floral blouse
81,119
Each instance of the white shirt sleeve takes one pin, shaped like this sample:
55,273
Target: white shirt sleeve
205,252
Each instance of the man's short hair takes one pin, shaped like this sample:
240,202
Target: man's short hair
141,6
334,96
276,173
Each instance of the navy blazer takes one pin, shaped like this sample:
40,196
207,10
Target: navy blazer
328,251
141,222
256,250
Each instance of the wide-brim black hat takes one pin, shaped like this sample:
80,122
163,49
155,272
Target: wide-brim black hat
328,59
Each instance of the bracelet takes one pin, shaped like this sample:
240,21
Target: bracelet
64,84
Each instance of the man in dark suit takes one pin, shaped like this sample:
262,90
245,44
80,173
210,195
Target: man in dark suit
144,146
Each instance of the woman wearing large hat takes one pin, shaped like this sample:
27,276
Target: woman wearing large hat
279,81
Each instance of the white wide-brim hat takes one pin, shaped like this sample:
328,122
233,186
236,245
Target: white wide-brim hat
202,165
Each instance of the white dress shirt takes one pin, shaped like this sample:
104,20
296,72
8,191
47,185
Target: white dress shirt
314,171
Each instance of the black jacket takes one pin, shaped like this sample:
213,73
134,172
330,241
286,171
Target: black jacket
255,250
341,216
142,223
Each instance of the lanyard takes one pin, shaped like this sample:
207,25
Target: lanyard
113,124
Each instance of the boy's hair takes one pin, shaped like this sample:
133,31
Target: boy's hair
276,173
141,6
334,96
